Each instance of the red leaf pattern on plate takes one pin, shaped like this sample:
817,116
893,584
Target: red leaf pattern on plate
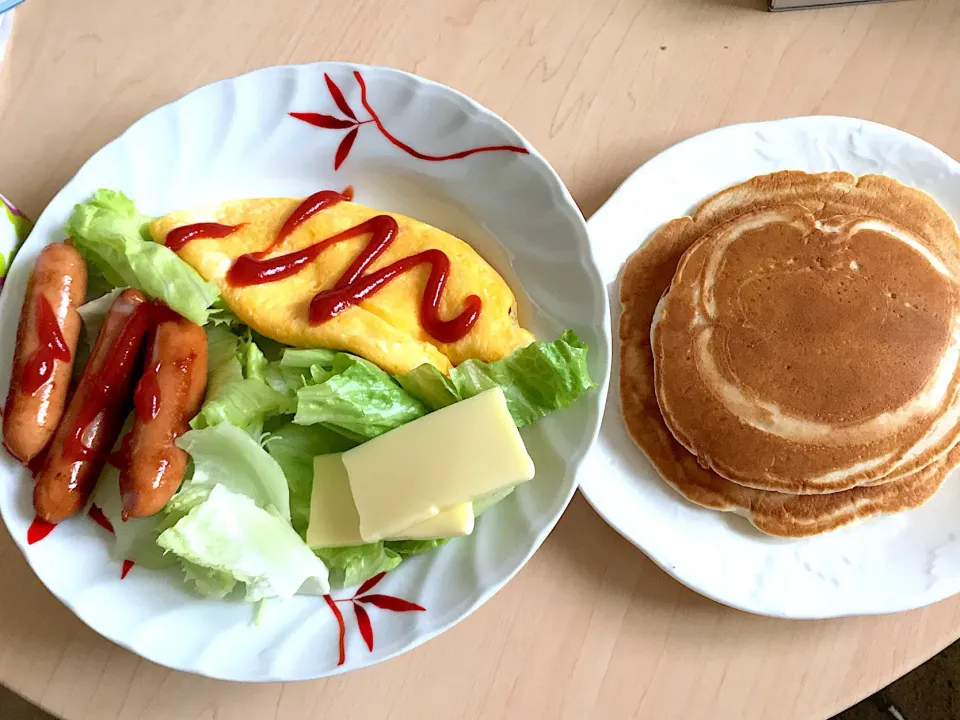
338,97
97,515
328,122
363,622
369,584
343,630
38,530
344,148
127,567
388,602
335,123
384,602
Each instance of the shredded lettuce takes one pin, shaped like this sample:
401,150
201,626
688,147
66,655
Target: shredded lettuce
355,398
408,548
226,455
208,582
481,505
231,521
536,380
294,447
114,239
237,391
350,566
94,314
231,535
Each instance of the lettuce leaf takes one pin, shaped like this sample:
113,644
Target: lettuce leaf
230,522
294,447
536,380
94,314
350,566
409,548
481,505
114,238
231,535
237,391
355,398
322,357
225,455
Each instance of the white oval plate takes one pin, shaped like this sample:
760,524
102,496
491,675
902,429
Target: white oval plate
884,564
235,139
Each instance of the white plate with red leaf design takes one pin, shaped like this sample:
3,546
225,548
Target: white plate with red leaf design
405,144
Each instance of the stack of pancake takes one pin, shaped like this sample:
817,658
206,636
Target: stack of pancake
791,352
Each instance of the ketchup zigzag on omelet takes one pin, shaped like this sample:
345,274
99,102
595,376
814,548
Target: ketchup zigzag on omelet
327,272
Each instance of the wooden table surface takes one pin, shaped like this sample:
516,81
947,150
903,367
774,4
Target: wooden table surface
590,628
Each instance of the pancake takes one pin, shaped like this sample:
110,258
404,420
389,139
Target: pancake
805,351
385,327
646,276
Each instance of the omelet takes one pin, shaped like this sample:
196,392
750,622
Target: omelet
384,328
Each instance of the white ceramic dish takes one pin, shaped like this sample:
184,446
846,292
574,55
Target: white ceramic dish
885,564
233,139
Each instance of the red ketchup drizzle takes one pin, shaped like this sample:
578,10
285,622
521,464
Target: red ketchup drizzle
146,398
330,303
120,458
39,367
178,237
353,286
109,382
304,211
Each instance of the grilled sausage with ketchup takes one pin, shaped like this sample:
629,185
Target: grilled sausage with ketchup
167,396
46,345
95,414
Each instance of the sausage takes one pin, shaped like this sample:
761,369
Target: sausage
166,398
46,346
95,414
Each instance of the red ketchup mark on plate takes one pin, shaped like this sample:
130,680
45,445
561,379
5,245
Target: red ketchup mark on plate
178,237
359,599
109,382
52,347
126,568
352,125
38,530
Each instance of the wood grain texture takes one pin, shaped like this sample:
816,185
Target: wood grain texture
590,628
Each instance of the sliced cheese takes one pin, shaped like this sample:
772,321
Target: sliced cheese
455,521
451,456
333,516
334,521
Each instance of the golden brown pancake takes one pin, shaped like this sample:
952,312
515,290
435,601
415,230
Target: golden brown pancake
806,352
646,276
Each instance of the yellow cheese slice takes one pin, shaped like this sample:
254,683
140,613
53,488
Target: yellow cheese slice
451,456
334,521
